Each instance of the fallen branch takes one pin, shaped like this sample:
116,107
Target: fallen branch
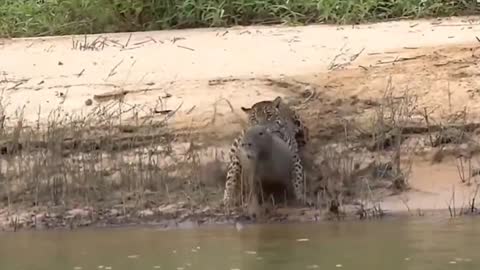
401,59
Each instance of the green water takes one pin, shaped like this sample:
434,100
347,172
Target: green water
421,243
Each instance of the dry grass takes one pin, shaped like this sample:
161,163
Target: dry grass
376,152
108,159
347,172
468,175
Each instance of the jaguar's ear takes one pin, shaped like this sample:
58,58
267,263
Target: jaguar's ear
276,102
246,110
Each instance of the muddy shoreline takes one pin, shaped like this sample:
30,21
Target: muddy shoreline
78,219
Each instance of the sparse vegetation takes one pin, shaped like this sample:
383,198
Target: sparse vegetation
468,176
58,17
397,131
348,176
116,170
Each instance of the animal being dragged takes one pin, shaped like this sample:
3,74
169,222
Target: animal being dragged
288,126
268,165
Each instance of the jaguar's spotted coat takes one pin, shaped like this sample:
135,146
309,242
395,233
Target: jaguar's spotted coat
271,110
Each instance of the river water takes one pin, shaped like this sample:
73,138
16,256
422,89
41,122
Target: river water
417,243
